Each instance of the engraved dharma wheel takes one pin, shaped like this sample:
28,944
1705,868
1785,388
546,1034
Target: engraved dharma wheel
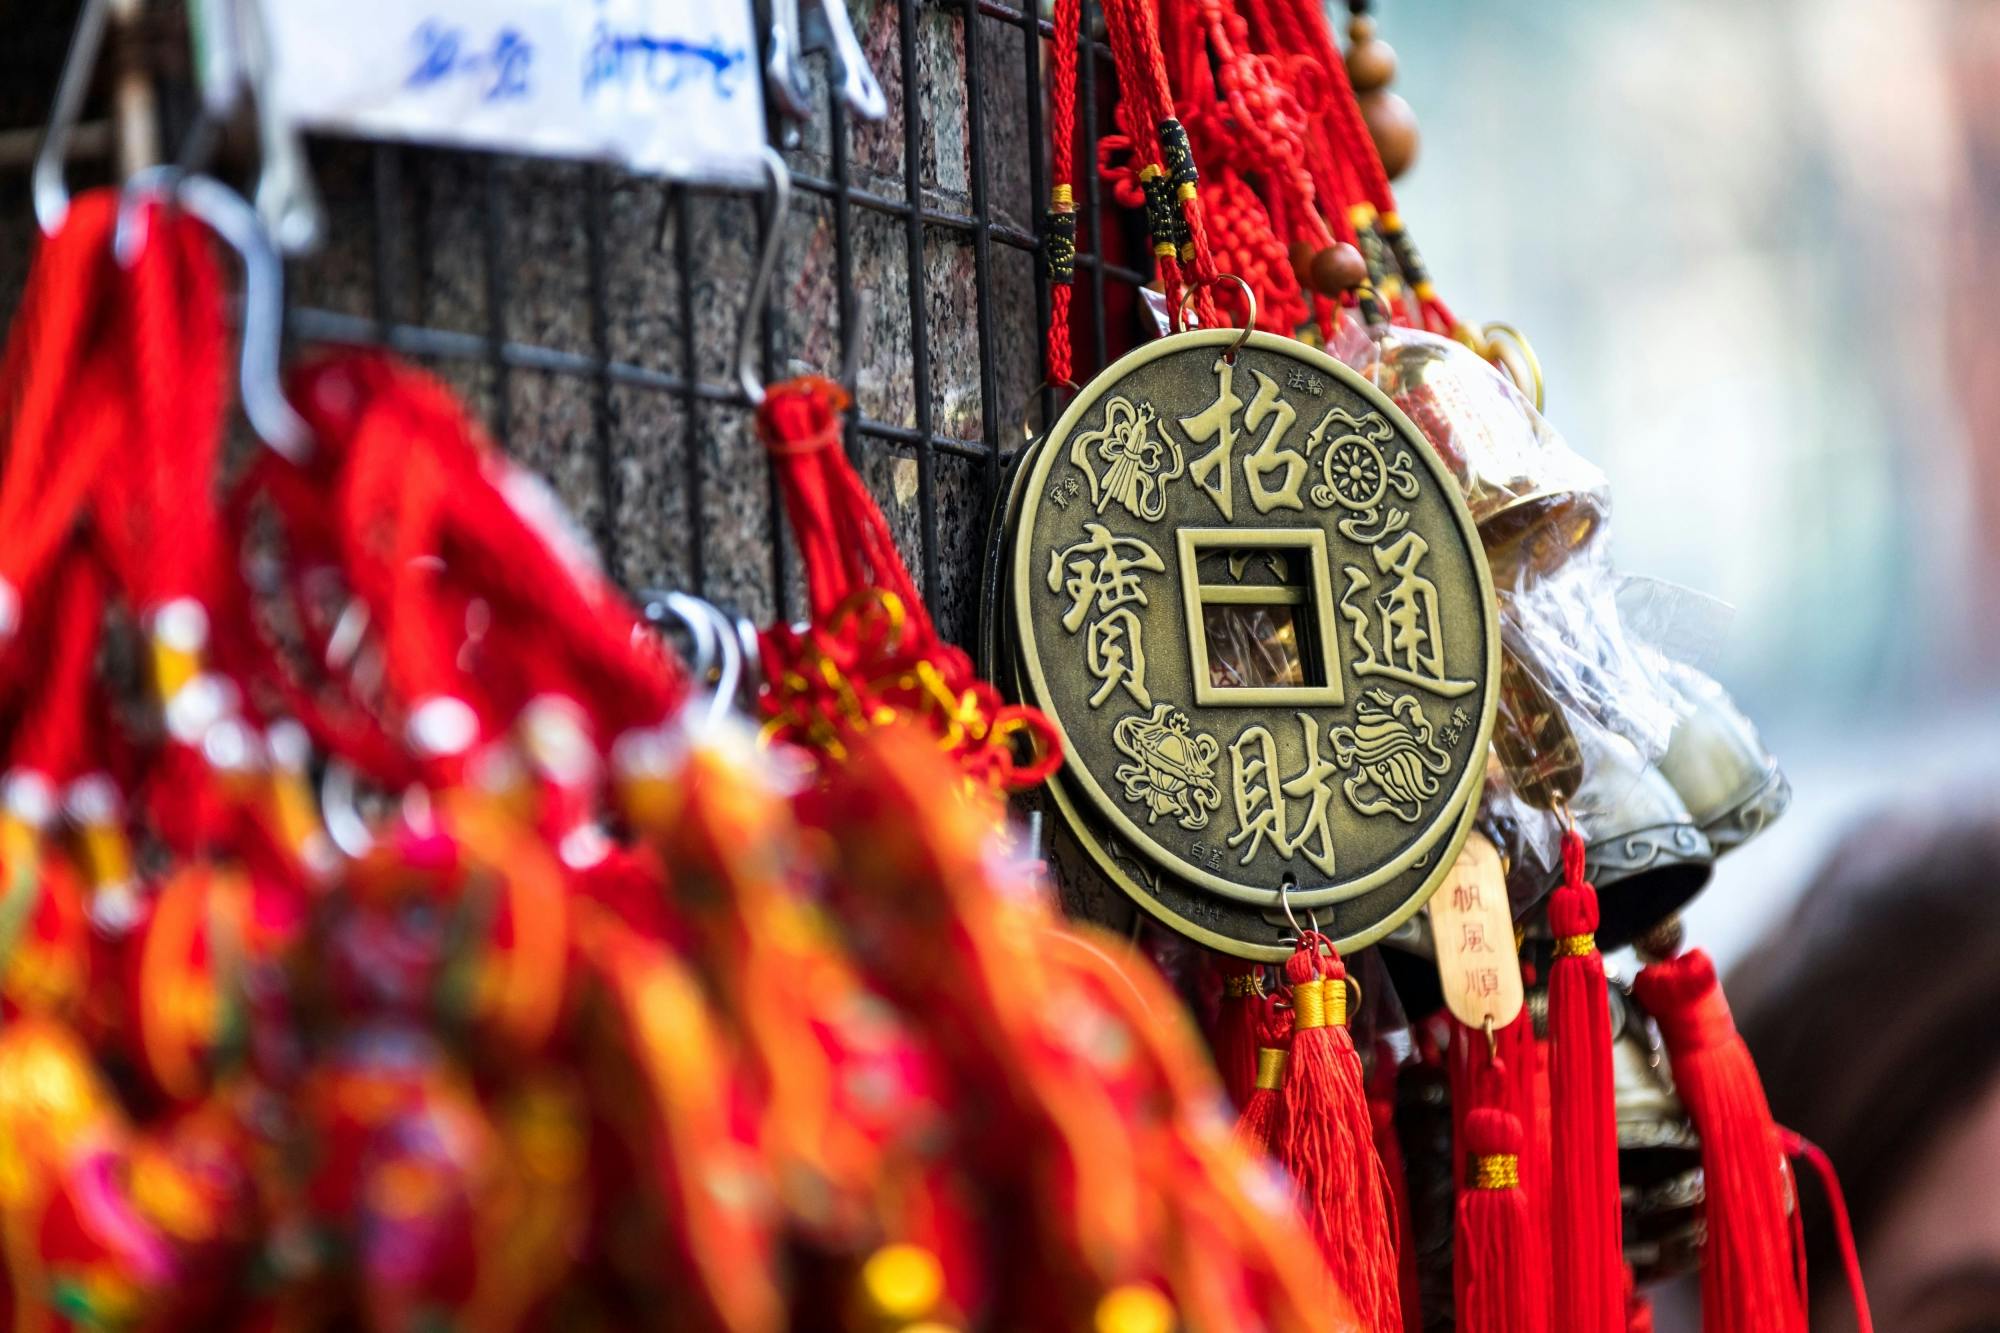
1251,598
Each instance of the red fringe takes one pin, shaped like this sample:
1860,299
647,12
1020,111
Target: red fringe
1749,1275
1589,1259
1328,1144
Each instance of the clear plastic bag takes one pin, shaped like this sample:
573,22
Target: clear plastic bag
1543,514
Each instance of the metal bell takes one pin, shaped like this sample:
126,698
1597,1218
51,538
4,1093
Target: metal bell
1659,1154
1731,785
1642,848
1533,499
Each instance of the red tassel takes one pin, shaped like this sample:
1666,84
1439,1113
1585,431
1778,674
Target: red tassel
1389,1147
1264,1108
1796,1146
1327,1143
1638,1311
1748,1277
1496,1291
1239,1014
1506,1278
1584,1208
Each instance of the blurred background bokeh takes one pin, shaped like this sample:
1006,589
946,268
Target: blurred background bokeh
1757,248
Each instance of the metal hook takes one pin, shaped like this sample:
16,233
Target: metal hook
51,193
340,810
784,71
780,195
717,641
229,216
284,196
824,25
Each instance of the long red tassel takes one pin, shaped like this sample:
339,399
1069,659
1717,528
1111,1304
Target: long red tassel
1327,1143
1748,1275
1797,1146
1638,1311
1585,1217
1496,1294
1504,1278
1389,1147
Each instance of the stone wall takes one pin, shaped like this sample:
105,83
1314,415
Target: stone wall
452,255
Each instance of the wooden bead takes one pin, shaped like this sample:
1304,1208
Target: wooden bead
1393,126
1370,65
1338,269
1302,260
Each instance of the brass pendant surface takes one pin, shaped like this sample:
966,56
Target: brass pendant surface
1253,602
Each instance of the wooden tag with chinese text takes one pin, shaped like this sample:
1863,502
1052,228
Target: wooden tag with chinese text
1473,927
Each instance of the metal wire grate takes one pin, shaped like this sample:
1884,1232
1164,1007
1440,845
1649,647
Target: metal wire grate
825,183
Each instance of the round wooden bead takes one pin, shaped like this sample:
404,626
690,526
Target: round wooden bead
1338,269
1393,126
1302,260
1370,65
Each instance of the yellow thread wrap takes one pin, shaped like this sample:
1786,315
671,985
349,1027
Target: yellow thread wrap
1314,1005
1576,946
1496,1171
1062,199
107,856
173,667
1270,1068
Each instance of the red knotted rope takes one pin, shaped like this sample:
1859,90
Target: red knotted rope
870,654
1062,230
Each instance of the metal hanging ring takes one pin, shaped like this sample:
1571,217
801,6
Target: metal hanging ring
1509,349
1028,432
1249,310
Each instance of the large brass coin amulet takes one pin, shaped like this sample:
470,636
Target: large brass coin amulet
1253,602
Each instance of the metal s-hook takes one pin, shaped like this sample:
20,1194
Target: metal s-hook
51,192
717,641
780,195
824,25
231,217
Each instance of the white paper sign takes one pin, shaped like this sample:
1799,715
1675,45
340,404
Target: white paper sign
666,86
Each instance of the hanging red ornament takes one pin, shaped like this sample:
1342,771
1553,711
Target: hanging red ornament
1585,1216
1749,1272
1327,1142
870,654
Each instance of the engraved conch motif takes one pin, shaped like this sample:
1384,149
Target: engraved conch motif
1134,460
1390,748
1173,767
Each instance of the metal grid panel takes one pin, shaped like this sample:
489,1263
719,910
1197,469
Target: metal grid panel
499,349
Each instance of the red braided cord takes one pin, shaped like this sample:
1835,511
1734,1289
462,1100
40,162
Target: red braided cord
1062,169
56,720
1146,101
50,462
